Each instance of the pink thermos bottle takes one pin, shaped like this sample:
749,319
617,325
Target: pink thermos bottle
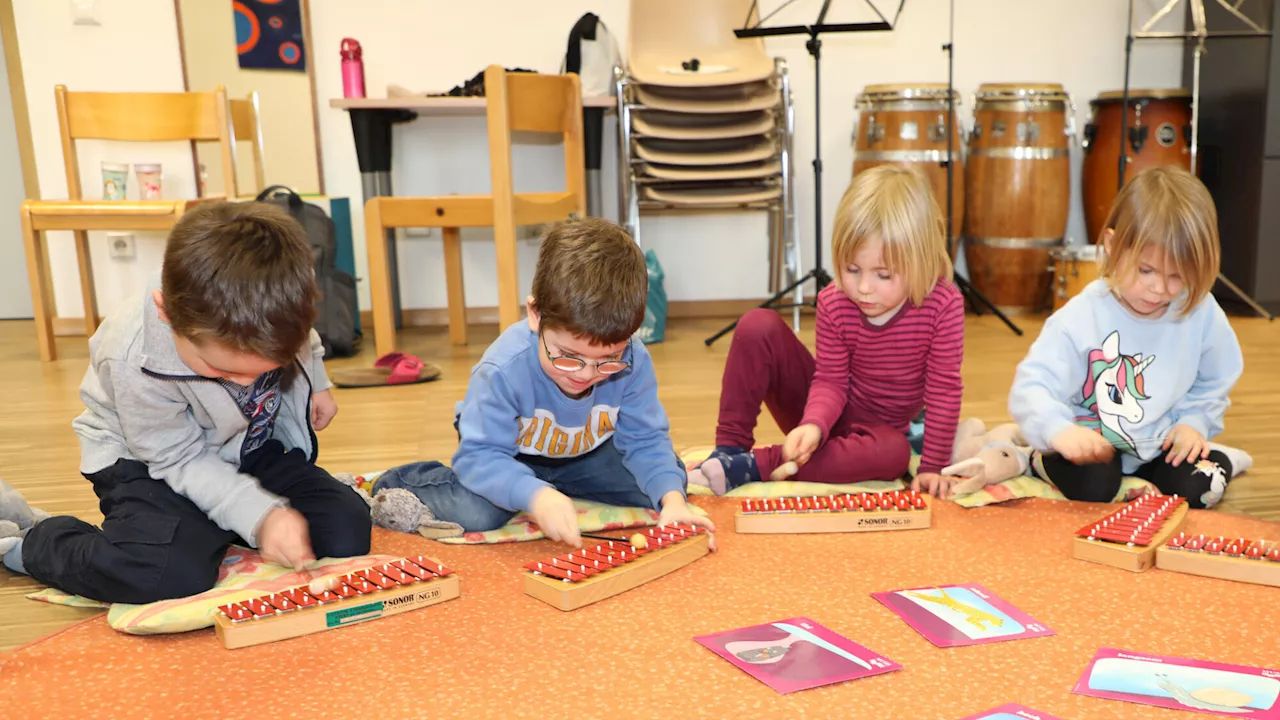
352,69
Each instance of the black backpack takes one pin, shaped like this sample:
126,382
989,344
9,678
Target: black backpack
336,309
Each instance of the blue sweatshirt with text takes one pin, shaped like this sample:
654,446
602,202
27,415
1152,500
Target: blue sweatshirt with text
1097,365
512,408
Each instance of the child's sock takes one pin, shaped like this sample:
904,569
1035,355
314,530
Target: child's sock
13,559
1241,461
729,468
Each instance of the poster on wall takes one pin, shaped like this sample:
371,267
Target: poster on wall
269,35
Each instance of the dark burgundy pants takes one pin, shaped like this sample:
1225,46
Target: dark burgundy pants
768,365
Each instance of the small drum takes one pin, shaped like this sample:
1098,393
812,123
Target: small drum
1159,134
1074,266
907,124
1018,173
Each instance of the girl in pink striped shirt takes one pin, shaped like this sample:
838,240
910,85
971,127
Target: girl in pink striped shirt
890,337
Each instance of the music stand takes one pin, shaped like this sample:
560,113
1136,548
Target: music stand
818,274
967,289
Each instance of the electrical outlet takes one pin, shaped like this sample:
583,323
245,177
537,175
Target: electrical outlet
121,245
417,232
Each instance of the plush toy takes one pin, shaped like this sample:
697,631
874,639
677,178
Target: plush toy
400,510
983,458
16,517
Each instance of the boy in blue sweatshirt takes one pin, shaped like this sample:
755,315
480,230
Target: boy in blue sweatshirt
563,405
1132,376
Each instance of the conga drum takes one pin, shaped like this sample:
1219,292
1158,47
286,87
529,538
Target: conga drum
1019,178
1074,267
1159,133
907,124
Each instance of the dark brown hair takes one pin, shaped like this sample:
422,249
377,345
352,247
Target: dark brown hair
240,275
591,281
1169,208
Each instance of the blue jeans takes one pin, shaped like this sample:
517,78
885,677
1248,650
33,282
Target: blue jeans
598,475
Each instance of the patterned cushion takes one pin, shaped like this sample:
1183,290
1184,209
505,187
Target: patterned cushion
243,575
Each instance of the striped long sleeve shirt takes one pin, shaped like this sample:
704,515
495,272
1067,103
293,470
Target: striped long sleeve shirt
885,374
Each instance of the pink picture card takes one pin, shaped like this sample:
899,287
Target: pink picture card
796,654
1181,684
965,614
1012,711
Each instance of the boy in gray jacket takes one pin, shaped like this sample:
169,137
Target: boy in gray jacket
200,403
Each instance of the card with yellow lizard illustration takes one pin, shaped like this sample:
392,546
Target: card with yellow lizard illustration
964,614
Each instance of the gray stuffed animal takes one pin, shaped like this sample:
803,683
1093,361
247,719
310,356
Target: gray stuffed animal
16,517
400,510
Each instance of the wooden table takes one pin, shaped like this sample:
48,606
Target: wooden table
371,121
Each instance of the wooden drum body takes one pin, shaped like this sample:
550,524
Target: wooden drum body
1019,178
1074,267
1159,133
907,125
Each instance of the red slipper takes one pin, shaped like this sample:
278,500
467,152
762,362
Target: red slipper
391,369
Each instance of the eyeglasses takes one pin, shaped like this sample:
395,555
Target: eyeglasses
564,363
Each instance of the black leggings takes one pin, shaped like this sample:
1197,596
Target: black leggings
156,544
1100,482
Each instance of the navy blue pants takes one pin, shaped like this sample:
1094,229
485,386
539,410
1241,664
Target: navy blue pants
156,544
599,475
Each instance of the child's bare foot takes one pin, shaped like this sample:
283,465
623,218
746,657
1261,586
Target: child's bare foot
709,475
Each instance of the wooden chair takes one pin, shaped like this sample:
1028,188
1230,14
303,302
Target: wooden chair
246,126
133,117
517,102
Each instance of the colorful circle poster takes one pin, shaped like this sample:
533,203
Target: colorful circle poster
269,35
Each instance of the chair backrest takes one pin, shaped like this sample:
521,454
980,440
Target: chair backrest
689,27
143,117
246,127
530,102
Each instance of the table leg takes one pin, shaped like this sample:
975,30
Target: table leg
372,132
593,140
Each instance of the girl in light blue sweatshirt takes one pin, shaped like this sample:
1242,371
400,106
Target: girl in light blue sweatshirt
1132,376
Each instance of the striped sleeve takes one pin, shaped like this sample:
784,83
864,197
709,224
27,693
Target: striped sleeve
830,389
943,387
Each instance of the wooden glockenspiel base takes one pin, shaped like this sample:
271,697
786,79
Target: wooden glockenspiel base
656,562
1126,556
1264,569
354,599
905,510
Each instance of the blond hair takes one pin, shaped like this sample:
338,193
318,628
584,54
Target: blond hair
1169,208
894,204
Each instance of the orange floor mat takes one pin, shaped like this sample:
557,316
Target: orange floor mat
497,653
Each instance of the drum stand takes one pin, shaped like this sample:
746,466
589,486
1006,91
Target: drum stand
818,274
1200,33
977,300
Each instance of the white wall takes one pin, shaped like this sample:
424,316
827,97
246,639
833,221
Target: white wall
134,49
15,293
433,45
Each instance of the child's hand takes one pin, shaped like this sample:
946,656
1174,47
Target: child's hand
934,484
801,443
555,514
323,408
1187,443
676,510
285,539
1082,446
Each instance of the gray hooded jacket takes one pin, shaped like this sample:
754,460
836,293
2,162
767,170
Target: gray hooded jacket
143,403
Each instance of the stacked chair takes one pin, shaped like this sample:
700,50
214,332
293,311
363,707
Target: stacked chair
705,121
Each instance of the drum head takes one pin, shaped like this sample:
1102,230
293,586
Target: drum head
898,92
1146,94
1013,92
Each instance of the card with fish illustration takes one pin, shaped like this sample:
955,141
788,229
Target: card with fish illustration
796,654
1012,711
1182,684
965,614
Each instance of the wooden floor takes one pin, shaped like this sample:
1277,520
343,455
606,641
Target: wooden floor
381,427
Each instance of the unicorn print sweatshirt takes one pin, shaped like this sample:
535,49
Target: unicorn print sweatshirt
1097,365
513,410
